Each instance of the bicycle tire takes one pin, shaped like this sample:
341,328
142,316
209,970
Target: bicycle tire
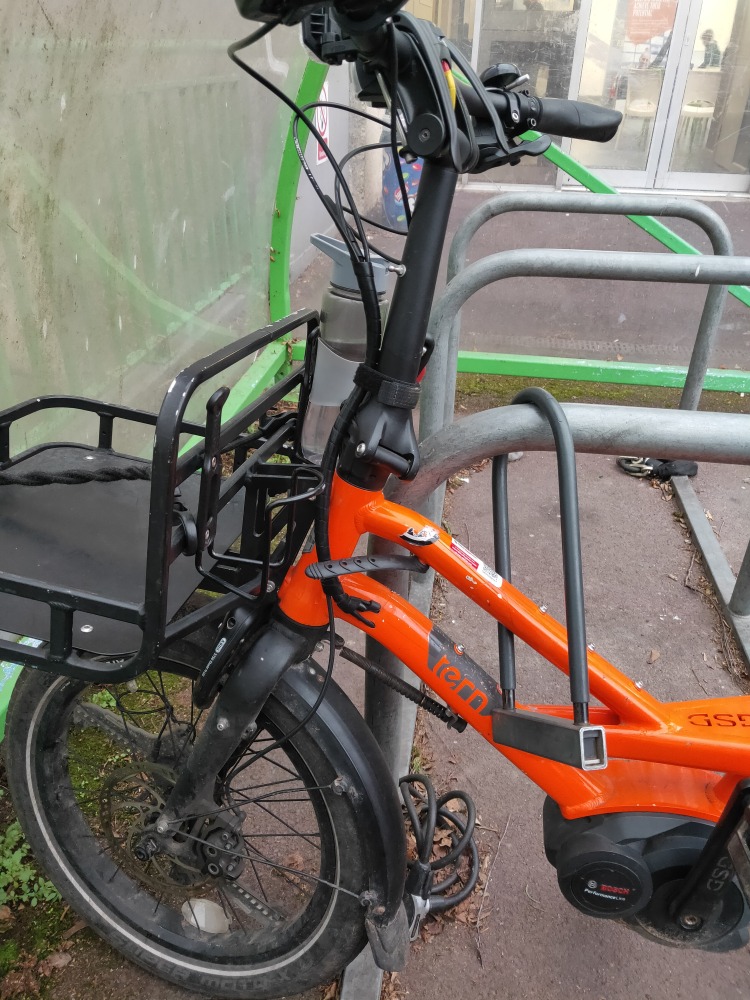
307,942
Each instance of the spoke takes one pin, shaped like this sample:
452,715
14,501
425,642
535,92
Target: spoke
120,708
138,740
247,801
276,796
262,860
115,873
288,874
279,836
157,690
222,896
240,767
270,784
296,833
167,707
87,800
192,911
258,879
102,846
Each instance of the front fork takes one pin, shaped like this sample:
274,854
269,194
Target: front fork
232,720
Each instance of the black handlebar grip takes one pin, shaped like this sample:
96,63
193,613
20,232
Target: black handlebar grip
578,120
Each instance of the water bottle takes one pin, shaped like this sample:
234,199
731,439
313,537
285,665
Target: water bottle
342,344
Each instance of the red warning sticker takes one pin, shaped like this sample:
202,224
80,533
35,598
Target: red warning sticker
485,571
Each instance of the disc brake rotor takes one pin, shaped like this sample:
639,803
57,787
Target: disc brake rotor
131,800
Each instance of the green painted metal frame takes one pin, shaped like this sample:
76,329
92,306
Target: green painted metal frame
613,372
581,370
8,675
275,359
310,86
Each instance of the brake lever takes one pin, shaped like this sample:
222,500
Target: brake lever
491,156
495,147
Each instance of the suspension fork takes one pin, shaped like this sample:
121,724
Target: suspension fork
232,720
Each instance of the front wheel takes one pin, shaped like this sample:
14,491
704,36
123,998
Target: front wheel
260,897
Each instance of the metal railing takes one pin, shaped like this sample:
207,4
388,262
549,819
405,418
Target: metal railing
447,447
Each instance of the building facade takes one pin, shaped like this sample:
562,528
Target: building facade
679,70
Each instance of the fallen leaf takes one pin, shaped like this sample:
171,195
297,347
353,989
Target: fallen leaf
23,982
6,914
431,928
57,960
653,656
79,925
391,987
332,992
618,357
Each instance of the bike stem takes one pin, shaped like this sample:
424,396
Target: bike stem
381,437
409,313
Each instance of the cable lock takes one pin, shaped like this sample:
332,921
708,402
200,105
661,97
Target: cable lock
428,814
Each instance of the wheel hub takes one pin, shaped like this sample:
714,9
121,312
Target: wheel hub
131,801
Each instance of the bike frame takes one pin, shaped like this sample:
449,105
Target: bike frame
677,757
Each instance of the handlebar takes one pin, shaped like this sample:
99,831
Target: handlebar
356,30
578,120
521,112
368,13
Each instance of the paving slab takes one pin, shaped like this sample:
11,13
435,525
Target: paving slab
636,557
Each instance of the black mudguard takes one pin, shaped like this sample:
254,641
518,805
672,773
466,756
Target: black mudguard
356,756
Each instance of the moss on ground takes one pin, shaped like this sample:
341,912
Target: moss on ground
481,392
34,928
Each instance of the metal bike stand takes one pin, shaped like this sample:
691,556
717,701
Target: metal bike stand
735,597
604,204
597,429
447,449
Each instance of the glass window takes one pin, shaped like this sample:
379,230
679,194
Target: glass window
713,134
627,47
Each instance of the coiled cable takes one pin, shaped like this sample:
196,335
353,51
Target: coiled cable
427,814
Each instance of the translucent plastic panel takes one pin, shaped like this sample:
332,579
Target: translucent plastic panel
539,36
138,167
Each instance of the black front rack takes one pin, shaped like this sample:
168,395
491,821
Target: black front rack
102,567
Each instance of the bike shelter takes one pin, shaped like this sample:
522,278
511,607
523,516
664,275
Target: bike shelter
447,447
